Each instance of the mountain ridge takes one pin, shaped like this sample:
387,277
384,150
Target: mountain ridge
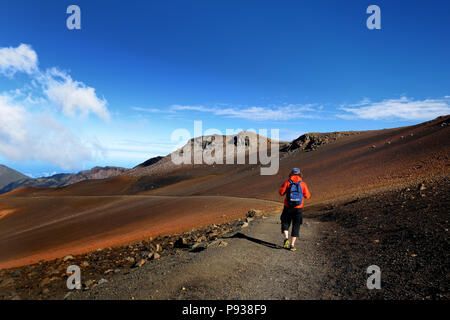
64,179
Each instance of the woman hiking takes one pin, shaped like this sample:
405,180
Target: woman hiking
295,190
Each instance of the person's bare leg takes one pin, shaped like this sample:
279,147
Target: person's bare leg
293,240
286,234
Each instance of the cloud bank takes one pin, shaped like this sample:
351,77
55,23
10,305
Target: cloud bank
27,136
28,127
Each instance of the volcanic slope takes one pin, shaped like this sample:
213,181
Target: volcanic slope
166,198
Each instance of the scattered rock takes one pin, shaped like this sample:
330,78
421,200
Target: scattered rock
130,259
140,263
102,281
198,247
244,225
158,248
223,244
422,187
156,256
46,281
89,283
218,243
108,271
212,235
45,291
67,258
85,264
68,294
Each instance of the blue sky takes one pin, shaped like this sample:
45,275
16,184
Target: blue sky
113,92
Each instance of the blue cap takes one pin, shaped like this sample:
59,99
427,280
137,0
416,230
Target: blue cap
295,171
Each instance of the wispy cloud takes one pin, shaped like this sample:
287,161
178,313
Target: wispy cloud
397,109
149,110
256,113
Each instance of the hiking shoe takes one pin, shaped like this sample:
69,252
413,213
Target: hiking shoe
292,248
286,244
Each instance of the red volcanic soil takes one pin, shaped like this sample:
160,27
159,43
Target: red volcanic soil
40,224
51,227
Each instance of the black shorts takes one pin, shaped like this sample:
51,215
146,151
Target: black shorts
294,215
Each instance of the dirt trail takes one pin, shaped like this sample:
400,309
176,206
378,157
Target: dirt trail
252,265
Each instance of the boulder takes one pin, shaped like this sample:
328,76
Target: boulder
67,258
252,213
181,243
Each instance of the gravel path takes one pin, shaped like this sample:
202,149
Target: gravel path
250,264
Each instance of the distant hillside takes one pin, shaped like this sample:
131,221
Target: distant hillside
62,179
8,175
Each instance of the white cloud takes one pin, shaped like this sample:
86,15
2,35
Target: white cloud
399,109
73,96
26,136
28,129
284,112
20,59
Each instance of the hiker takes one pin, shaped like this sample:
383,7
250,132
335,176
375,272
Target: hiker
296,191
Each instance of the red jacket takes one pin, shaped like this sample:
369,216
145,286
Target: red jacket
285,185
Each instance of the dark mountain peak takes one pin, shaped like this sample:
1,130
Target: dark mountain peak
149,162
311,141
8,175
